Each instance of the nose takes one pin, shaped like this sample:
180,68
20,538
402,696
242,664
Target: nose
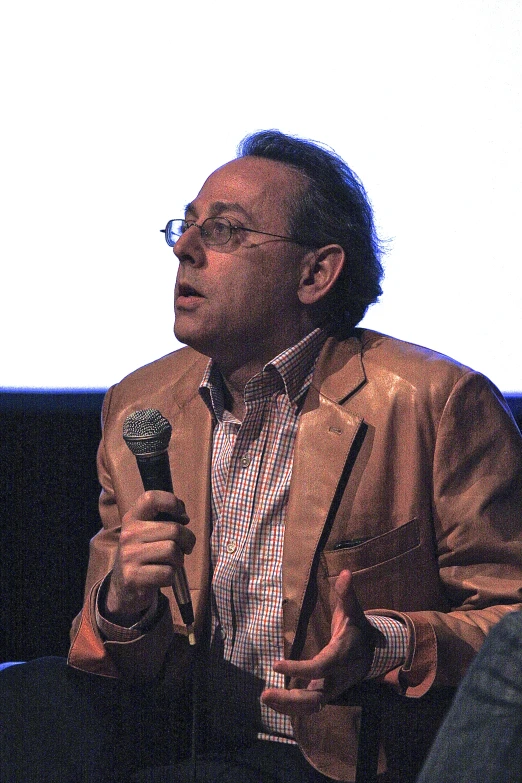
189,248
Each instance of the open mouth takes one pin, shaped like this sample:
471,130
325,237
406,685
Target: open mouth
187,293
187,290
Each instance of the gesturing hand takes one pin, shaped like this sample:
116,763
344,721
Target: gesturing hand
345,660
147,554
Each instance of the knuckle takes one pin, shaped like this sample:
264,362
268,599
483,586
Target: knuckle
150,500
125,536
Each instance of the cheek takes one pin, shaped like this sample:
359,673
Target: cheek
254,288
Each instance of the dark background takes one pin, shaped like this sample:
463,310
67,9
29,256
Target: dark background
48,512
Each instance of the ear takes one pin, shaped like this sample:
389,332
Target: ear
320,270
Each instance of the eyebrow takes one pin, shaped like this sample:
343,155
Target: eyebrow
217,207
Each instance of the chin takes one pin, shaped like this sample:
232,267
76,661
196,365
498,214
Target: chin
195,341
183,331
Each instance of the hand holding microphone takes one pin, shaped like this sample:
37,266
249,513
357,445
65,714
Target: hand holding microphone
150,555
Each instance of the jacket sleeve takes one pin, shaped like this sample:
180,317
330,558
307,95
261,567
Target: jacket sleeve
477,513
141,658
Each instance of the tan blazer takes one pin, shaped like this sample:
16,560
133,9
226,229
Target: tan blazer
400,449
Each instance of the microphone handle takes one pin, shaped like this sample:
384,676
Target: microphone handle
155,474
155,471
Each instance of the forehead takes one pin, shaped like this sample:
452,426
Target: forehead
259,188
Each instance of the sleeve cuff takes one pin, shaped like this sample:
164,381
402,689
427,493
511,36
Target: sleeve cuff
118,633
392,647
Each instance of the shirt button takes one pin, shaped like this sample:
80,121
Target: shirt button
245,461
231,547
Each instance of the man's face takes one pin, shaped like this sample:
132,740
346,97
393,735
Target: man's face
239,303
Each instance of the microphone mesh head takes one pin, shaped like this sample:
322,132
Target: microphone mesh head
146,432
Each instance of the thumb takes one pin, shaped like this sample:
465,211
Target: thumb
346,598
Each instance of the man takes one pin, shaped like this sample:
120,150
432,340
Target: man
347,506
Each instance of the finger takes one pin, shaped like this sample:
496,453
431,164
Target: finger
348,612
185,539
182,537
165,551
154,502
156,574
294,701
140,568
314,668
346,595
135,533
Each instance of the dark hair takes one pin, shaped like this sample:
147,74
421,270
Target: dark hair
332,208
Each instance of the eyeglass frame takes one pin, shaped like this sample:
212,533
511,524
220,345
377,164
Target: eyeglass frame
233,229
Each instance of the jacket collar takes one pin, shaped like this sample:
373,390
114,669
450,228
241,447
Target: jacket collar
339,371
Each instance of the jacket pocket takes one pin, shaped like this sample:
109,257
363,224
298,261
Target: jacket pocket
396,570
357,554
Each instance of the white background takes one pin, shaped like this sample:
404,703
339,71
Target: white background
115,112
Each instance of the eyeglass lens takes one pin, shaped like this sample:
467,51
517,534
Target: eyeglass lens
215,231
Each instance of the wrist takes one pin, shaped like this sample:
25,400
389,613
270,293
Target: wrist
118,612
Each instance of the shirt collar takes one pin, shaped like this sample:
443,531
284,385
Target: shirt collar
291,371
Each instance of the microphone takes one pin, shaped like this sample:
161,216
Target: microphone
147,434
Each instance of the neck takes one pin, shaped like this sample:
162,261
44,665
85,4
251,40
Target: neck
235,380
237,372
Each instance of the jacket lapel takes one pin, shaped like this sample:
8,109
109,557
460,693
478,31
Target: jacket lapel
323,445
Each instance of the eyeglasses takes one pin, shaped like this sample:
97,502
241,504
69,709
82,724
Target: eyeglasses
215,232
